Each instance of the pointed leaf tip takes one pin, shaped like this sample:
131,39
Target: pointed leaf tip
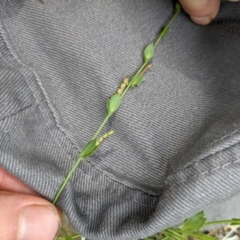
194,223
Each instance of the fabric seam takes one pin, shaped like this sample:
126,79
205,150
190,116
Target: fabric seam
16,112
205,172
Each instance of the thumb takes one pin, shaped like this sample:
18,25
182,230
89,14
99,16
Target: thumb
27,217
201,12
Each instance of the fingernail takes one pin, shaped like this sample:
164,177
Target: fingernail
201,20
38,222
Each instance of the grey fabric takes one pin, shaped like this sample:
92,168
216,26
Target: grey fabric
176,144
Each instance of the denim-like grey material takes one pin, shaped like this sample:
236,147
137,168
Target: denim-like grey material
176,145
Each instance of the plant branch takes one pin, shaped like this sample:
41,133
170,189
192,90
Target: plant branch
64,183
114,104
101,126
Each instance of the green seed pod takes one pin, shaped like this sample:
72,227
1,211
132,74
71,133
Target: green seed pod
136,81
148,52
89,149
113,103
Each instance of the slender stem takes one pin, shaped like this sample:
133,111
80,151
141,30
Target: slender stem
165,29
160,37
164,238
217,222
101,126
169,235
77,236
138,72
222,222
64,183
168,232
204,237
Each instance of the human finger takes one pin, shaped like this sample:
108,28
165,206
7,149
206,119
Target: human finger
201,12
27,217
8,182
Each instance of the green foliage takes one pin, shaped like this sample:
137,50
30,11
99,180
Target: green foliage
194,223
191,228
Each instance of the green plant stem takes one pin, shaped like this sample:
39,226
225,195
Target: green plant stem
77,236
204,237
165,29
218,222
138,72
101,126
172,233
64,183
161,35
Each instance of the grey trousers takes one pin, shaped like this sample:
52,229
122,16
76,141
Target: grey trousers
176,145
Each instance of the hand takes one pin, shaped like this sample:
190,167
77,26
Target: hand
24,214
202,12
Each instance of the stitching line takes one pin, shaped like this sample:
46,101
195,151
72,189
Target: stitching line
212,154
222,138
204,173
209,171
16,112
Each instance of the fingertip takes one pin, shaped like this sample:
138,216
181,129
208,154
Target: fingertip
26,217
201,20
201,12
38,222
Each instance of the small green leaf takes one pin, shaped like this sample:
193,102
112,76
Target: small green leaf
113,104
136,81
194,223
148,52
89,149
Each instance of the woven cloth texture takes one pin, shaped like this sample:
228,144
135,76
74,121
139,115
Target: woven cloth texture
176,145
